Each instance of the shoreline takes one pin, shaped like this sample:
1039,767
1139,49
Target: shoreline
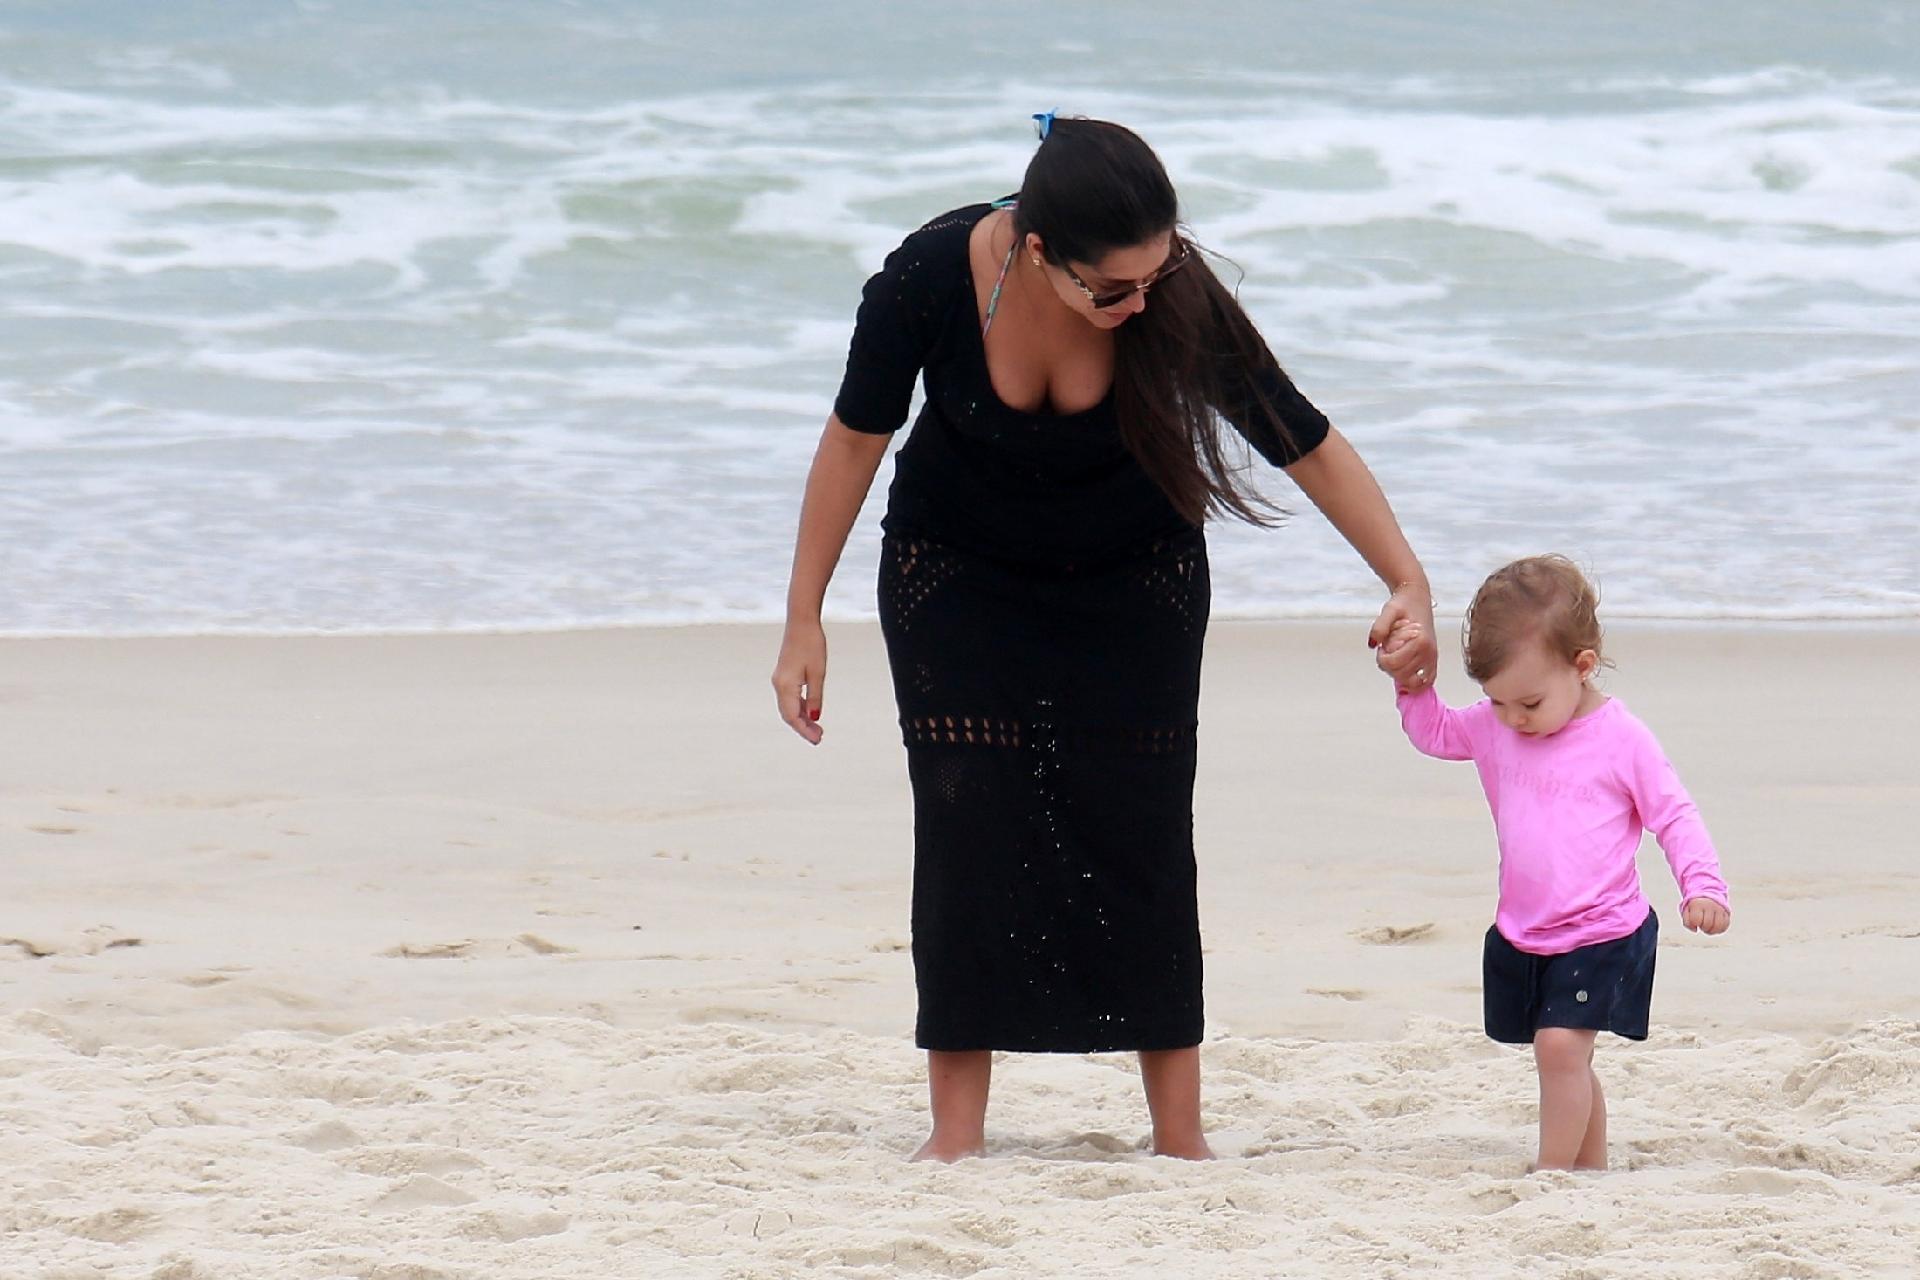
1895,623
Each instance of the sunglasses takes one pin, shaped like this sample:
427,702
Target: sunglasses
1114,297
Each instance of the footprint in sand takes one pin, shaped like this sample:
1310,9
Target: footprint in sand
469,946
328,1135
430,951
420,1193
1338,993
121,1225
507,1226
1389,935
48,829
91,942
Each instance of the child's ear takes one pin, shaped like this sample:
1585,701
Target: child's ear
1586,662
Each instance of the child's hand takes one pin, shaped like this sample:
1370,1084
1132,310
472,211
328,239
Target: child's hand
1704,915
1405,632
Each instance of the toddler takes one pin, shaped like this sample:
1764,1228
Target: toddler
1573,778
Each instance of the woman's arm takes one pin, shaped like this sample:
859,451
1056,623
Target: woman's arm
837,483
1338,482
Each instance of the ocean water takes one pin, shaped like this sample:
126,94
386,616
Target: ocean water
417,316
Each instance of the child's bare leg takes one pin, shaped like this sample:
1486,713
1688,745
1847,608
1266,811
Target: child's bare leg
1172,1080
1564,1059
1593,1147
957,1086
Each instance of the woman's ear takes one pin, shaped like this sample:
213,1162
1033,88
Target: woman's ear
1036,248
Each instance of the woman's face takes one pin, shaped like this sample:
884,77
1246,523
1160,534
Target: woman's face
1129,272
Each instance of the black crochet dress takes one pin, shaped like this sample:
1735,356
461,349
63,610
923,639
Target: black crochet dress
1044,609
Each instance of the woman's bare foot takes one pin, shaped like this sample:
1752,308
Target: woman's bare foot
1185,1147
946,1150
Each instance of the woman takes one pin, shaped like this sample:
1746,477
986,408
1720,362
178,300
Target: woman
1043,596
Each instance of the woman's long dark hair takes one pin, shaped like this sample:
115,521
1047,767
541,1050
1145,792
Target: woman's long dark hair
1094,187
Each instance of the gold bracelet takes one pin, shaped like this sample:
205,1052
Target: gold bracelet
1431,603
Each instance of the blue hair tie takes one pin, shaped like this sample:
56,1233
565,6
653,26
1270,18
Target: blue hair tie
1043,122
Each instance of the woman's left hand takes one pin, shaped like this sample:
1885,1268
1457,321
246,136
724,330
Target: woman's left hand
1412,665
1338,482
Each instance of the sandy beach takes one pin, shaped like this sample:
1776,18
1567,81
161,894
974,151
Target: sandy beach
557,955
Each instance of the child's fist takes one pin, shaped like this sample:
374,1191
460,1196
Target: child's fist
1704,915
1405,632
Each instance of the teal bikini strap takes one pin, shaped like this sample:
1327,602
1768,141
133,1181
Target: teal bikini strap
993,299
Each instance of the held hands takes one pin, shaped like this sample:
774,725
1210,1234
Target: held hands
1402,640
800,678
1704,915
1404,633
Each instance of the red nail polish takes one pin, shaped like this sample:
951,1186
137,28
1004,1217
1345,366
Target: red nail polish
813,713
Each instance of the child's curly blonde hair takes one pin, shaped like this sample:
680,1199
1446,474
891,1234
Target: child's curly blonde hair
1541,596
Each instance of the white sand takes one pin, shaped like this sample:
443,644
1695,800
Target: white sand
558,956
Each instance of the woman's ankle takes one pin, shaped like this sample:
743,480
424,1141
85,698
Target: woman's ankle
948,1147
1182,1143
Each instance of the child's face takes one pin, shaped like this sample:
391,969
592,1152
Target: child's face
1538,691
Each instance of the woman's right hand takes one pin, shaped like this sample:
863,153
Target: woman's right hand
800,677
837,483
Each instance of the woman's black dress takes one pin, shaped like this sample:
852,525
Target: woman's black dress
1044,608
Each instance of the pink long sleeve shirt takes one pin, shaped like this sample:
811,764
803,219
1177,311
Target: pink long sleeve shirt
1568,810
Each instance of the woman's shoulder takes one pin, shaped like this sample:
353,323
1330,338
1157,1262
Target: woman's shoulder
932,264
957,224
940,244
